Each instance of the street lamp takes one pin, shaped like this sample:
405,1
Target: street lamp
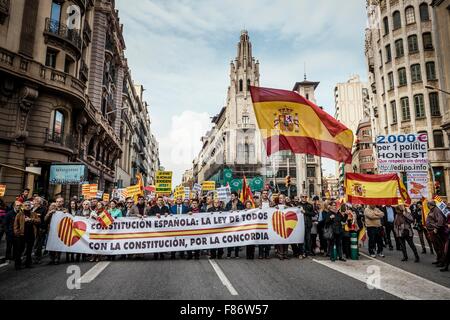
437,89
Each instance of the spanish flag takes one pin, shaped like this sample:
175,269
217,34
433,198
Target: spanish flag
288,121
369,189
425,211
404,192
105,219
246,193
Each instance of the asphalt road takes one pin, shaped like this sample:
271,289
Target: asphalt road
230,279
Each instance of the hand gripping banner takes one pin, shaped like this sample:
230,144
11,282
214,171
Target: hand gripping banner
177,232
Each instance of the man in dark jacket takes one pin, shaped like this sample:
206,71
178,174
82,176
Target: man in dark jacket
388,222
308,213
9,228
435,225
179,207
157,211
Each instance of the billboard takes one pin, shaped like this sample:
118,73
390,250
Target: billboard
67,174
402,153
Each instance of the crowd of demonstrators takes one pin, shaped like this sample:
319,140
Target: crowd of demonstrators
329,226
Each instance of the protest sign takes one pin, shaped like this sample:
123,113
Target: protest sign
224,194
402,153
417,185
2,190
164,182
176,233
208,186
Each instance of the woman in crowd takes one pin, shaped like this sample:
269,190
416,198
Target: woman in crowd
85,210
250,250
73,211
113,210
94,216
217,207
404,231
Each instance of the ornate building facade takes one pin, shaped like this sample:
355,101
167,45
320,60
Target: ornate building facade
403,66
61,83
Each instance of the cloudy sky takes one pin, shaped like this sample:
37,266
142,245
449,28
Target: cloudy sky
180,50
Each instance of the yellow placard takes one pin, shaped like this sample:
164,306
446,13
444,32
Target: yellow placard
133,190
208,186
106,197
2,190
164,182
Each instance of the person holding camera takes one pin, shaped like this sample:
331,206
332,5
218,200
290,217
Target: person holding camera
404,231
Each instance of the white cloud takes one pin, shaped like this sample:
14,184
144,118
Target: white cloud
181,143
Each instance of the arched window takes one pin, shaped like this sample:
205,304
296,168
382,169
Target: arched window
57,130
424,13
241,85
397,20
410,15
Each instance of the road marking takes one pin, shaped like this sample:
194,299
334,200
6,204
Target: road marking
92,273
223,278
393,280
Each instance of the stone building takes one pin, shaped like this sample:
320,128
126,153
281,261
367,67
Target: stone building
403,64
61,83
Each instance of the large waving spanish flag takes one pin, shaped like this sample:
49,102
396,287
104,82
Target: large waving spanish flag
290,122
370,189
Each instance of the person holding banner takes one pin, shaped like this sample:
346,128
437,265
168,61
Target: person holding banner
282,249
58,206
194,209
156,211
234,205
435,225
179,207
216,253
250,250
265,203
113,210
73,210
404,231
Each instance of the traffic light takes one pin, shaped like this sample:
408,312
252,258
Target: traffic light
288,181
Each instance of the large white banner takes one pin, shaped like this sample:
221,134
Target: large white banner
176,233
402,153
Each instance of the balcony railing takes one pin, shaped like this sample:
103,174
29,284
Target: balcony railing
59,139
60,30
4,10
84,71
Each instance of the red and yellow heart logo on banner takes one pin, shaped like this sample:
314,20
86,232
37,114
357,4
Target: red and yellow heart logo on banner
284,223
70,232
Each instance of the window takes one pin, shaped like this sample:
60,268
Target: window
402,79
388,53
438,138
68,65
434,105
241,85
391,80
381,58
424,13
397,20
410,15
416,75
245,119
57,126
248,84
419,106
55,16
386,25
384,86
427,41
311,172
50,59
394,112
386,121
406,115
413,46
431,70
399,50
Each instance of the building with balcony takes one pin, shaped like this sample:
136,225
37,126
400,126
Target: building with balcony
234,141
61,90
403,64
363,152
